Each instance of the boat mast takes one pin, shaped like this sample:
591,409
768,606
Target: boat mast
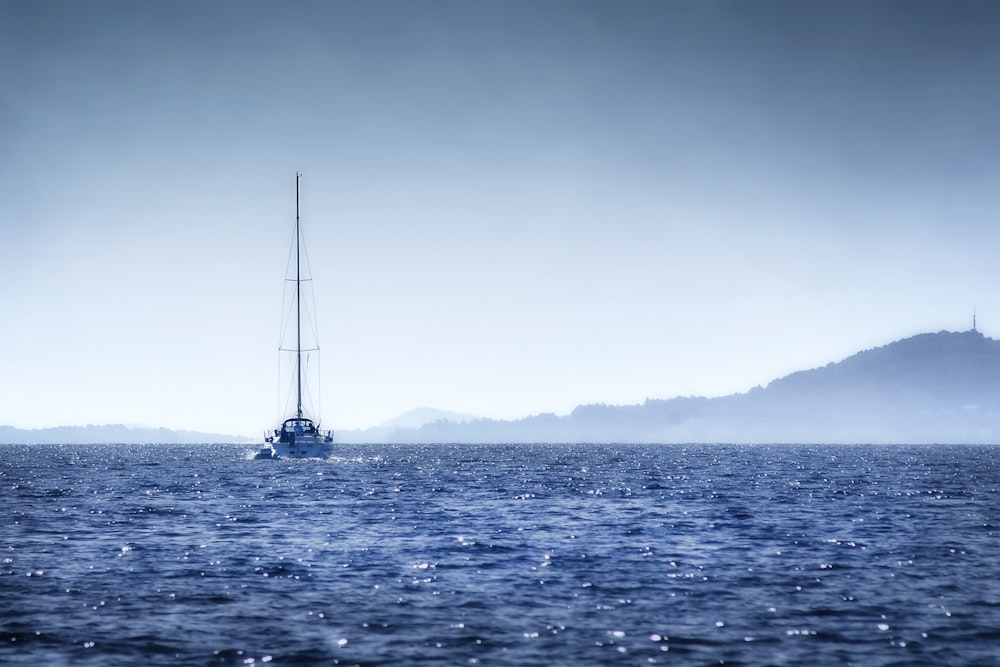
298,303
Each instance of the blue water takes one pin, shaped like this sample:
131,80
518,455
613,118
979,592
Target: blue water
500,555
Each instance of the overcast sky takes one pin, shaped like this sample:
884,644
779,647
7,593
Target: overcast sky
510,207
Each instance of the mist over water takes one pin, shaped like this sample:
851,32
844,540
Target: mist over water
498,554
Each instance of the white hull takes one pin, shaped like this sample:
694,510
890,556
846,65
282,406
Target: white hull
301,449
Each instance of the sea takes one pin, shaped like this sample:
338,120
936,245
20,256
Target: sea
500,555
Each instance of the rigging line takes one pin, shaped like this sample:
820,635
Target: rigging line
286,308
284,398
310,312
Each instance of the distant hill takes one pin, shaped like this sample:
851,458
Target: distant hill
408,421
421,416
940,387
109,433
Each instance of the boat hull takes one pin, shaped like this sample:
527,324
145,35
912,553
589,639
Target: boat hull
304,448
301,448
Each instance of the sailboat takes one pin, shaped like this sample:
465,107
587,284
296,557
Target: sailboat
298,436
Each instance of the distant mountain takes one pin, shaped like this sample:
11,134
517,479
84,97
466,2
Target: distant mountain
940,387
408,421
109,433
421,416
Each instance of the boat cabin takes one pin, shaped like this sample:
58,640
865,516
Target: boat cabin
295,427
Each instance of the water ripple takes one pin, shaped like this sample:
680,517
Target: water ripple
528,555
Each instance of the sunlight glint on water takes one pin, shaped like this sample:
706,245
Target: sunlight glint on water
528,555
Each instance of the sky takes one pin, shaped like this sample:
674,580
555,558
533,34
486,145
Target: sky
510,207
